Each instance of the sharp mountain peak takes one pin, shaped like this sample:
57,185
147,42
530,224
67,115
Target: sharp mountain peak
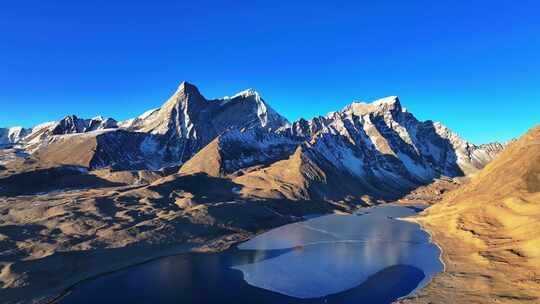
385,104
187,88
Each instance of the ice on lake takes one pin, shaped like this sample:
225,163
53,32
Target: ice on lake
334,253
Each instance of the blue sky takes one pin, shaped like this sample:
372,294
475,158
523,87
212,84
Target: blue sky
473,65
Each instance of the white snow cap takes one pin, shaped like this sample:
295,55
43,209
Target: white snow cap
390,100
247,93
361,107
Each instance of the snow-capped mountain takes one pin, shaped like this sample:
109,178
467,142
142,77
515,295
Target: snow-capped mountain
375,149
68,125
187,121
384,130
162,137
12,135
72,124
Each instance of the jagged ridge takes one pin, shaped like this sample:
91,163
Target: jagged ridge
377,149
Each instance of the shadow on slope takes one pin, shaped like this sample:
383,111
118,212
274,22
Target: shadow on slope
219,201
51,179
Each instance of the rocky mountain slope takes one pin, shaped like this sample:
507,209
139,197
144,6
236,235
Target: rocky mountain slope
187,121
167,136
375,150
488,230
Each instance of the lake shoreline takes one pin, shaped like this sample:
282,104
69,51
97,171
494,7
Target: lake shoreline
215,246
150,259
412,219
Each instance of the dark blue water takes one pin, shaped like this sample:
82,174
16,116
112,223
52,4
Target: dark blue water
368,258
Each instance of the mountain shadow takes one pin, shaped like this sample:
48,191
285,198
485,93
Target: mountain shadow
51,179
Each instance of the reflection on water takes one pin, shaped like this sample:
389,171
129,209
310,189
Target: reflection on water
368,258
339,252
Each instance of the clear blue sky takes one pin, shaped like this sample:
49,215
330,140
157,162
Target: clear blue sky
473,65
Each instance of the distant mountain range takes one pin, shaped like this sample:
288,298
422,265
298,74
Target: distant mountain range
364,151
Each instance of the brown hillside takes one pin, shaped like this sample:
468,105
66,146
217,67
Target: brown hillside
489,231
207,160
68,150
283,179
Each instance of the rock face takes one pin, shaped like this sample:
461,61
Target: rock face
41,133
240,149
389,138
377,149
187,121
72,124
488,230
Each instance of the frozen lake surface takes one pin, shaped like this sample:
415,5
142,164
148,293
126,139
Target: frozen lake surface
334,253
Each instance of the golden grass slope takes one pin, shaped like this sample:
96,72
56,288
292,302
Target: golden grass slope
489,231
68,150
288,179
207,160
